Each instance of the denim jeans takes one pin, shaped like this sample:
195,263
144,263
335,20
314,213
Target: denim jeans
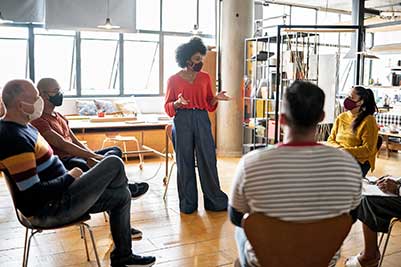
102,188
72,162
192,136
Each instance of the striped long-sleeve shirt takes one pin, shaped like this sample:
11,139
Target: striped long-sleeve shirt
28,159
296,182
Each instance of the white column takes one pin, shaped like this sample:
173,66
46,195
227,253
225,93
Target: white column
237,23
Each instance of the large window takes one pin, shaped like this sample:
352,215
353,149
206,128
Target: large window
99,63
141,63
13,54
170,65
179,15
108,63
148,14
55,57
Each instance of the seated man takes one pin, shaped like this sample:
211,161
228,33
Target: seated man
54,128
376,212
48,193
299,180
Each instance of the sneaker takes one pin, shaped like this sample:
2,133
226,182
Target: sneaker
135,233
138,189
136,261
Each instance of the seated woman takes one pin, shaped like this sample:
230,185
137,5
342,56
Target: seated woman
356,130
376,212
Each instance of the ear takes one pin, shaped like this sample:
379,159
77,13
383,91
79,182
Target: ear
322,116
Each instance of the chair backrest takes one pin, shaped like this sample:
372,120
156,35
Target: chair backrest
279,243
12,187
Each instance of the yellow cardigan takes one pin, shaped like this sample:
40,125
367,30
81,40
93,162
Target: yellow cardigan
361,144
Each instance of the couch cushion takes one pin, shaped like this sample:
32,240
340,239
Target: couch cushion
86,107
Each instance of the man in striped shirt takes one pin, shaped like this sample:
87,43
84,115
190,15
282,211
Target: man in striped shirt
50,195
299,180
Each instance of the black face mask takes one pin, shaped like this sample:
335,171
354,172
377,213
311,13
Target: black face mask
56,100
197,67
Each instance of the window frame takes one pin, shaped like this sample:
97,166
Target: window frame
78,72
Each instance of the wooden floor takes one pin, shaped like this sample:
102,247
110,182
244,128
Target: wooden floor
177,240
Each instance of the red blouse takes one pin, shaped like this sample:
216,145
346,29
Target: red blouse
199,93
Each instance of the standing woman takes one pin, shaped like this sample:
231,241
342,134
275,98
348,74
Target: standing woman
356,130
188,99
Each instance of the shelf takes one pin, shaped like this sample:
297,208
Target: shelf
308,80
383,87
273,39
259,98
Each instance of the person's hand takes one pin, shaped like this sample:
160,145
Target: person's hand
221,96
388,185
181,101
91,162
75,172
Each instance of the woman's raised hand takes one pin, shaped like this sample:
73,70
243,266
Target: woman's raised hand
181,101
221,96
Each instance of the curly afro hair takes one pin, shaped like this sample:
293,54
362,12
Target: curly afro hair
184,52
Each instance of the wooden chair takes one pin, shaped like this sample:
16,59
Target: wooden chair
169,132
390,227
279,243
117,138
81,222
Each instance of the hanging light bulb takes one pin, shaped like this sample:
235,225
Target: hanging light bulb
3,20
107,25
195,30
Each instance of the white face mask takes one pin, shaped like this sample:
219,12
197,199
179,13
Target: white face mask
37,109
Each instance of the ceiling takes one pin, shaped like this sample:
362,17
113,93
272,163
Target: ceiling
346,5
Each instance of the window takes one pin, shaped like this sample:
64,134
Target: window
179,15
271,11
141,63
55,58
148,15
303,16
207,16
13,54
170,65
99,63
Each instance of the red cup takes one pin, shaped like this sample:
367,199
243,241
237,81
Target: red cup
100,114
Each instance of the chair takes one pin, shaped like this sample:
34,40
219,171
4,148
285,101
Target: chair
279,243
390,227
116,138
169,132
38,229
166,180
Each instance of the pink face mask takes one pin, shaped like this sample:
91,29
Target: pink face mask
350,104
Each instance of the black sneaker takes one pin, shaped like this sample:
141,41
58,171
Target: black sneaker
136,261
135,233
138,189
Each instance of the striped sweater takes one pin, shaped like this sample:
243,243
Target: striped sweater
297,183
27,158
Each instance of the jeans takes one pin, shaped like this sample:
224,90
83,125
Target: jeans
102,188
192,136
241,239
365,167
72,162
